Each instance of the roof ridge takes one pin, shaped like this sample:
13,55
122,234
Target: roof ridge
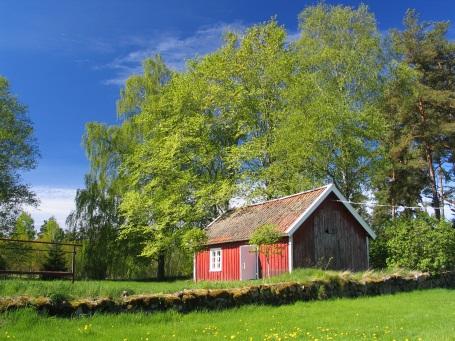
285,197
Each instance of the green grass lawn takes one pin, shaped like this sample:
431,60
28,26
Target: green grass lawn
114,289
420,315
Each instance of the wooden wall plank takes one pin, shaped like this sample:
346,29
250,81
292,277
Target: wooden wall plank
331,237
279,260
230,269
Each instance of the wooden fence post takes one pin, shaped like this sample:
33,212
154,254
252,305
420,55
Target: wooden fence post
73,263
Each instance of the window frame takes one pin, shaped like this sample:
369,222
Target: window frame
213,259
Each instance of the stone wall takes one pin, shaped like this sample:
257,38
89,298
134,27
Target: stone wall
215,299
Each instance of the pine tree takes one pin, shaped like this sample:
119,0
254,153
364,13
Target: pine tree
55,260
50,231
421,111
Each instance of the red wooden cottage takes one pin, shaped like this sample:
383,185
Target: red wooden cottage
319,227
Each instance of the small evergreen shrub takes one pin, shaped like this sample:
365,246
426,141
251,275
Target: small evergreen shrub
55,260
59,298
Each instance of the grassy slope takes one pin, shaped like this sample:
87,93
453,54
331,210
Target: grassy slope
421,315
15,287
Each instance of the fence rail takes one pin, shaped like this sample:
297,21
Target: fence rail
38,242
56,274
41,273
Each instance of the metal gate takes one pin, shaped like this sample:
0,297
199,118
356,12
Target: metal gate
248,262
14,245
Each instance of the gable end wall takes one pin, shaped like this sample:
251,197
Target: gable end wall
331,237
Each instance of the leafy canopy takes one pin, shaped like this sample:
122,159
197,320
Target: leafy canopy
265,236
18,152
262,117
422,243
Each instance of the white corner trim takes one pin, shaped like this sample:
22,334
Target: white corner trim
296,224
194,267
240,262
329,189
257,262
368,253
215,220
290,253
354,212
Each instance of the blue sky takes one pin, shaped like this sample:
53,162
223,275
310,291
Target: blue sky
67,60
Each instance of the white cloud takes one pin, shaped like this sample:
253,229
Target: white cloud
56,202
293,36
175,49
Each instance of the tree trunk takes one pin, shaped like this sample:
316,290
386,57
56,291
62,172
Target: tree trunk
160,272
441,189
429,158
392,194
434,188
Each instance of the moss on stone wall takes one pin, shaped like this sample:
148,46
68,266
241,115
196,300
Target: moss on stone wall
215,299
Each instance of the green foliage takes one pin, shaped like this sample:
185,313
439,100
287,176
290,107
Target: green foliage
265,235
378,251
140,89
18,255
419,109
51,231
423,243
18,152
265,238
2,262
24,227
58,298
261,117
55,260
332,122
96,219
255,118
194,240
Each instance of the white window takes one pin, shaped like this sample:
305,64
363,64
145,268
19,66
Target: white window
215,259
